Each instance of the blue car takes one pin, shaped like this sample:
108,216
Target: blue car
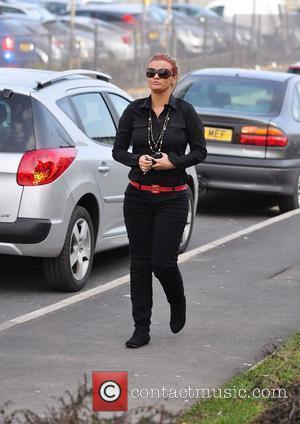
17,46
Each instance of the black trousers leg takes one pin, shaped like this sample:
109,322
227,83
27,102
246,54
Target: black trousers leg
170,220
139,220
141,292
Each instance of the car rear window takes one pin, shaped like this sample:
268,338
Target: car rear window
56,27
294,70
16,123
233,94
25,124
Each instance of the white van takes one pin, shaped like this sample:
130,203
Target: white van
229,8
265,16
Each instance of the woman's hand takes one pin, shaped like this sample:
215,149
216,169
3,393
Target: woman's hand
163,164
145,163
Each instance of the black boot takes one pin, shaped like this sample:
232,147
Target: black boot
139,338
178,311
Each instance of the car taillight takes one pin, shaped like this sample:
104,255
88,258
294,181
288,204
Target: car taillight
263,136
8,43
39,167
126,39
129,19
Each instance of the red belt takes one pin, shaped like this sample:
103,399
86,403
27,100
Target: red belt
156,189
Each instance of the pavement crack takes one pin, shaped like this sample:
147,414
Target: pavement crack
282,271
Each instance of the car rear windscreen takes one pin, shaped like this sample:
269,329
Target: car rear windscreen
233,94
16,123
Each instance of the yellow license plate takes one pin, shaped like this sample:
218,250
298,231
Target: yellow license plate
218,134
26,47
153,35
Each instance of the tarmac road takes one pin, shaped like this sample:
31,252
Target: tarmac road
243,295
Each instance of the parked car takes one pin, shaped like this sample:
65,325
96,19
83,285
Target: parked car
61,43
294,68
252,129
56,7
223,32
27,1
147,38
114,45
17,48
229,8
271,13
35,11
185,33
51,39
61,192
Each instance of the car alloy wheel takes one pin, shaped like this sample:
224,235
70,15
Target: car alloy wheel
71,269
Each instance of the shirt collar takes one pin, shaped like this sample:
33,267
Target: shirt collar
147,102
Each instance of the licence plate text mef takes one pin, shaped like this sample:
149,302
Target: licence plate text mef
218,134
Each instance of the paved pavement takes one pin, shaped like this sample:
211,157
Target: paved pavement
243,296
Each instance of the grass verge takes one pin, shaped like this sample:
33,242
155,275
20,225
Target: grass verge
269,392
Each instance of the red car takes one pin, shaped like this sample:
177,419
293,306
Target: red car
294,69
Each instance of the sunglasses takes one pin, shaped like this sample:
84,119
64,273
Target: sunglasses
162,73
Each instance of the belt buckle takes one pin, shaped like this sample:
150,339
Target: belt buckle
155,189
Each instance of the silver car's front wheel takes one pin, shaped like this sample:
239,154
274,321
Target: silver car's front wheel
71,269
187,232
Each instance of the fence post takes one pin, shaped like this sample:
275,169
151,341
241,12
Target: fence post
50,59
233,41
135,67
72,47
258,39
173,38
143,41
204,50
96,47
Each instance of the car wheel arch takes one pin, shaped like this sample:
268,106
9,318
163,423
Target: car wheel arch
90,203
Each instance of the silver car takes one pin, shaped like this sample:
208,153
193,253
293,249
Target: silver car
61,193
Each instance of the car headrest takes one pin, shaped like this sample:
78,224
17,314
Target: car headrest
220,99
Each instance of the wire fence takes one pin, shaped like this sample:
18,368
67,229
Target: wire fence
244,41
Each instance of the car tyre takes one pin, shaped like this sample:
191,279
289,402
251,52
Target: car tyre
288,203
188,229
71,269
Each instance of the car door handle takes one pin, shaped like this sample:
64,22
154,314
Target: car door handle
103,168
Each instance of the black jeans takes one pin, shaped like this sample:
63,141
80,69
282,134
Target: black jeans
155,224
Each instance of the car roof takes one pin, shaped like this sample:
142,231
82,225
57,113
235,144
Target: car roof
25,80
244,73
113,7
88,22
295,65
195,7
20,5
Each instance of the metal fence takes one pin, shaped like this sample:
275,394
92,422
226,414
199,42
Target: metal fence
244,41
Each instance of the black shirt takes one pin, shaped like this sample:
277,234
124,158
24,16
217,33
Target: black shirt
184,128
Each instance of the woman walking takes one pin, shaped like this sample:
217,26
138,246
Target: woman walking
158,128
